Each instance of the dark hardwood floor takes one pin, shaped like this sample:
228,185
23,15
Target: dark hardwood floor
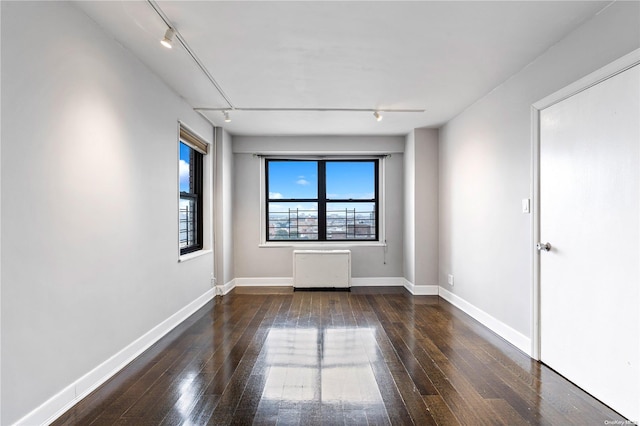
374,356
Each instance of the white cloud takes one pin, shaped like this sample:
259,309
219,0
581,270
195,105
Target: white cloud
275,195
302,180
184,173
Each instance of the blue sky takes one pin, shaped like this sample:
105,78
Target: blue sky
293,179
350,180
184,167
299,179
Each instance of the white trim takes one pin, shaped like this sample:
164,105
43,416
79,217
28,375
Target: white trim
58,404
598,76
222,290
421,290
288,282
321,245
535,233
614,68
193,255
512,336
264,282
1,242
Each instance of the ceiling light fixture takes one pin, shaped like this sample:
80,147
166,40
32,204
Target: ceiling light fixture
167,41
377,115
227,119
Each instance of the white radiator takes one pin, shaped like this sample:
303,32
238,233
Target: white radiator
321,268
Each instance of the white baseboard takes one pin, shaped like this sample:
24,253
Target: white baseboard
226,288
421,290
288,282
512,336
72,394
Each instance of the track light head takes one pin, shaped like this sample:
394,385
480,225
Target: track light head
377,115
167,41
227,118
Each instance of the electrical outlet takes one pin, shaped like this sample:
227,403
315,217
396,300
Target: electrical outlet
450,279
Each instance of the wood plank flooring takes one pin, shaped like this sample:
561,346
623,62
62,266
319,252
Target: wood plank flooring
372,356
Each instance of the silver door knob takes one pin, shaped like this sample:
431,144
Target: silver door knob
543,247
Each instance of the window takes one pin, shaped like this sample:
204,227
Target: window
192,151
322,200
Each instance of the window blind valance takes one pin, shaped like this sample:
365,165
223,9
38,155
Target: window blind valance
193,141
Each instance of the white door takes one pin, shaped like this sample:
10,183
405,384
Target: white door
590,215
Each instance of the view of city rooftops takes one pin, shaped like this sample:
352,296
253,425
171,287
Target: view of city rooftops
322,200
344,224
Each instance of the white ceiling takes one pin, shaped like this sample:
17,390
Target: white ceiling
436,56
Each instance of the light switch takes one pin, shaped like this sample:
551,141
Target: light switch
526,205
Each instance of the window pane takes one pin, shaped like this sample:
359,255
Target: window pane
188,227
190,212
350,180
185,168
293,179
293,221
351,221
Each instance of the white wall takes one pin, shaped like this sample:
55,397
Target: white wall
426,201
485,170
252,261
89,202
421,208
0,226
224,208
409,170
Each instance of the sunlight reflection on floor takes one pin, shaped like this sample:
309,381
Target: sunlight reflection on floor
330,365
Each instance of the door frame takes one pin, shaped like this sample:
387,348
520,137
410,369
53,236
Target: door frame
614,68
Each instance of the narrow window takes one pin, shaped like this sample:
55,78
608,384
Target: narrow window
190,186
322,200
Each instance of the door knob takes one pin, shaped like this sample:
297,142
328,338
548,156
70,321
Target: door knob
543,247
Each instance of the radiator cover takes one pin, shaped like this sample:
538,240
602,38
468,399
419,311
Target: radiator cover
321,268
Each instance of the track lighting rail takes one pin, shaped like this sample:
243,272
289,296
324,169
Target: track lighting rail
172,32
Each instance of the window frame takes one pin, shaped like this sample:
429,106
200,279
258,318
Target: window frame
322,200
195,194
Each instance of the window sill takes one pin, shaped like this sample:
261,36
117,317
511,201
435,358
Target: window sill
322,245
195,254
